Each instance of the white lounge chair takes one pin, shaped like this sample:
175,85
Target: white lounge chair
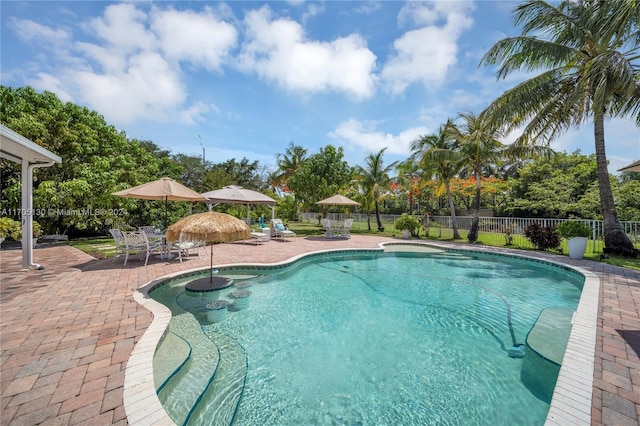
279,231
260,237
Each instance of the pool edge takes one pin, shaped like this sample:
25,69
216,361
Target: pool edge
572,396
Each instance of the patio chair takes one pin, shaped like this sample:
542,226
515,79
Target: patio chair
151,231
118,238
136,242
184,246
328,229
346,228
279,231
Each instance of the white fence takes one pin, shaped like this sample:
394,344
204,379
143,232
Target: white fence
490,228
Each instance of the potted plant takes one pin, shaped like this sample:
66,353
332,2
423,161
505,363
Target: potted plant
407,224
577,235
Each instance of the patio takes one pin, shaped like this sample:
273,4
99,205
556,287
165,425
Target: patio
68,331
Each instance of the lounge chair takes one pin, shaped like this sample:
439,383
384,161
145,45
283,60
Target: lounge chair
279,231
260,237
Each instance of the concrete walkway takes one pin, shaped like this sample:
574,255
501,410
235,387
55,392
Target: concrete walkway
66,332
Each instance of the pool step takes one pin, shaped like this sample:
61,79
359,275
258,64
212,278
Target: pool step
550,333
171,354
182,392
220,400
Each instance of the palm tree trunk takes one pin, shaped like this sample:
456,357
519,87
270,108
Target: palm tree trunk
380,227
615,240
473,232
452,207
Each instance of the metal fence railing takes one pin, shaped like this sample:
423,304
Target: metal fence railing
492,230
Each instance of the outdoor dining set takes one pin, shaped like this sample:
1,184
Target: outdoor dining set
195,231
148,240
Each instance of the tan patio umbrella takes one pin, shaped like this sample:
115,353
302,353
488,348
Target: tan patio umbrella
165,189
633,167
210,227
234,194
338,200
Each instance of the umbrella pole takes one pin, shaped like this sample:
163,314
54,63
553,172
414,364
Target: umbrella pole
166,201
211,267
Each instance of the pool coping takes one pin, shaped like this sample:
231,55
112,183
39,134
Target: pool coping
570,404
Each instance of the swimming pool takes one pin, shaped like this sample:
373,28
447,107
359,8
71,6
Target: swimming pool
368,338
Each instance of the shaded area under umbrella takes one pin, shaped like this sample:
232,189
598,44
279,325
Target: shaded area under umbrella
210,227
234,194
165,189
338,200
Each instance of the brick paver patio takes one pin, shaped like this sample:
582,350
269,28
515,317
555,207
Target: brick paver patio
66,332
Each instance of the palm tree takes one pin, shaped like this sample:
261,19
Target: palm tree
374,177
479,149
288,163
588,58
440,154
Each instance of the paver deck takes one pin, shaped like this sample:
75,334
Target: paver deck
67,332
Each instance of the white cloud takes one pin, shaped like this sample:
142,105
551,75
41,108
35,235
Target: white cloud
365,136
198,38
30,31
147,88
51,83
131,69
426,54
196,112
276,49
123,28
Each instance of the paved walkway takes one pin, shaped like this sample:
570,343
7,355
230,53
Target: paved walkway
66,332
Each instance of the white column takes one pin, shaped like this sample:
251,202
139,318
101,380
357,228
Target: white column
27,215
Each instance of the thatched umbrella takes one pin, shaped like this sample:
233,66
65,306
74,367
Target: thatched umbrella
210,227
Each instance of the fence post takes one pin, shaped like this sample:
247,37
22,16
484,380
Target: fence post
594,233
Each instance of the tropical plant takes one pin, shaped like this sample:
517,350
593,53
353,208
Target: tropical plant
16,232
573,228
543,237
438,154
406,222
9,228
374,178
479,147
288,163
321,175
587,51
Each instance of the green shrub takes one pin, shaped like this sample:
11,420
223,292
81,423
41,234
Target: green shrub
572,228
407,222
544,238
10,228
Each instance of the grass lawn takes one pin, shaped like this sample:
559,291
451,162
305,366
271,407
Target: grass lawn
103,247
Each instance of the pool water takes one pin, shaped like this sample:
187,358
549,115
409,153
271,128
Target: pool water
374,339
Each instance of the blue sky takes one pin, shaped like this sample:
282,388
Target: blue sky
244,79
